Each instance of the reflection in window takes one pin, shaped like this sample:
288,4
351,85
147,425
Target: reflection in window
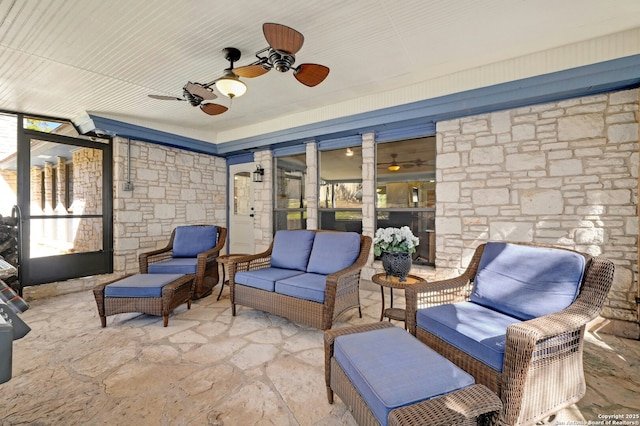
340,190
290,202
66,180
405,191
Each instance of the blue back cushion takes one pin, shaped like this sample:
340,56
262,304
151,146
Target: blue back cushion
333,251
191,240
527,282
291,249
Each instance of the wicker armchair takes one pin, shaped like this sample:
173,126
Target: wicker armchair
542,369
206,266
342,291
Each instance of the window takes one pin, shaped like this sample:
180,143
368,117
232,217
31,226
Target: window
290,211
340,191
405,191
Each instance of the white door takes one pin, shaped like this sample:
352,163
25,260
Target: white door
241,212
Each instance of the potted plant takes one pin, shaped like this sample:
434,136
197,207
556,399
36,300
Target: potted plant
395,246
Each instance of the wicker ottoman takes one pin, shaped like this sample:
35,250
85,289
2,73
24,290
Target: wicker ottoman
385,376
152,294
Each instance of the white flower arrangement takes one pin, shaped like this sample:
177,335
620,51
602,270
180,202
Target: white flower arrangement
394,239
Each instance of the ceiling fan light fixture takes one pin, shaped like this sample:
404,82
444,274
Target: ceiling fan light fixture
394,167
230,85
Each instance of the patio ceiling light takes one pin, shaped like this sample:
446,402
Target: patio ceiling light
230,85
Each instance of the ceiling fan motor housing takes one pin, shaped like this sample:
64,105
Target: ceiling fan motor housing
281,61
194,100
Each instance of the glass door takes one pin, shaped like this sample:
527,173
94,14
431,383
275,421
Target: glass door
65,204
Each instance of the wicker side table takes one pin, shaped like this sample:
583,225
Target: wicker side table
391,282
224,260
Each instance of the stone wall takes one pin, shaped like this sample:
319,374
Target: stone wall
563,173
171,187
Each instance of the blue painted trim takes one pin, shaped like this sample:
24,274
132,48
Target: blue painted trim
246,157
355,140
290,150
422,130
616,74
133,131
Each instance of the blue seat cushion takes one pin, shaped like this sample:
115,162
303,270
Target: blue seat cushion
265,278
291,249
190,240
304,286
472,328
527,282
140,285
391,369
333,251
178,265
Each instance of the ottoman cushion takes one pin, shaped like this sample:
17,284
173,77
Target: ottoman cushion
140,285
391,369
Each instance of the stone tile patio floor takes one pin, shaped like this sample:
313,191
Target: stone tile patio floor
209,368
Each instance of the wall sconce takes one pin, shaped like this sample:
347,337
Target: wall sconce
349,152
258,174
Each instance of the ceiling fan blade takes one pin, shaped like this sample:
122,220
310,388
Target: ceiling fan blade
311,74
280,37
213,109
250,71
165,98
201,91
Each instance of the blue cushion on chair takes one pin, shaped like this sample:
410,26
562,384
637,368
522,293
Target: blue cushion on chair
333,251
191,240
304,286
527,282
291,249
141,285
180,265
265,278
474,329
391,369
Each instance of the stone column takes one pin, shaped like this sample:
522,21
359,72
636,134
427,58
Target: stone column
311,185
263,202
61,189
48,187
36,190
368,195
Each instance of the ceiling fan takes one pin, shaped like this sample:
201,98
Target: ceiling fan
284,43
394,165
198,94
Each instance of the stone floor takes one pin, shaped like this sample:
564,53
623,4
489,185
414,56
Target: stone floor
209,368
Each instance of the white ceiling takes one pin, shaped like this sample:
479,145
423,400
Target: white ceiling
67,58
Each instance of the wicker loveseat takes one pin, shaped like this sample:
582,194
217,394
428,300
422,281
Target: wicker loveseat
515,320
192,249
307,276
